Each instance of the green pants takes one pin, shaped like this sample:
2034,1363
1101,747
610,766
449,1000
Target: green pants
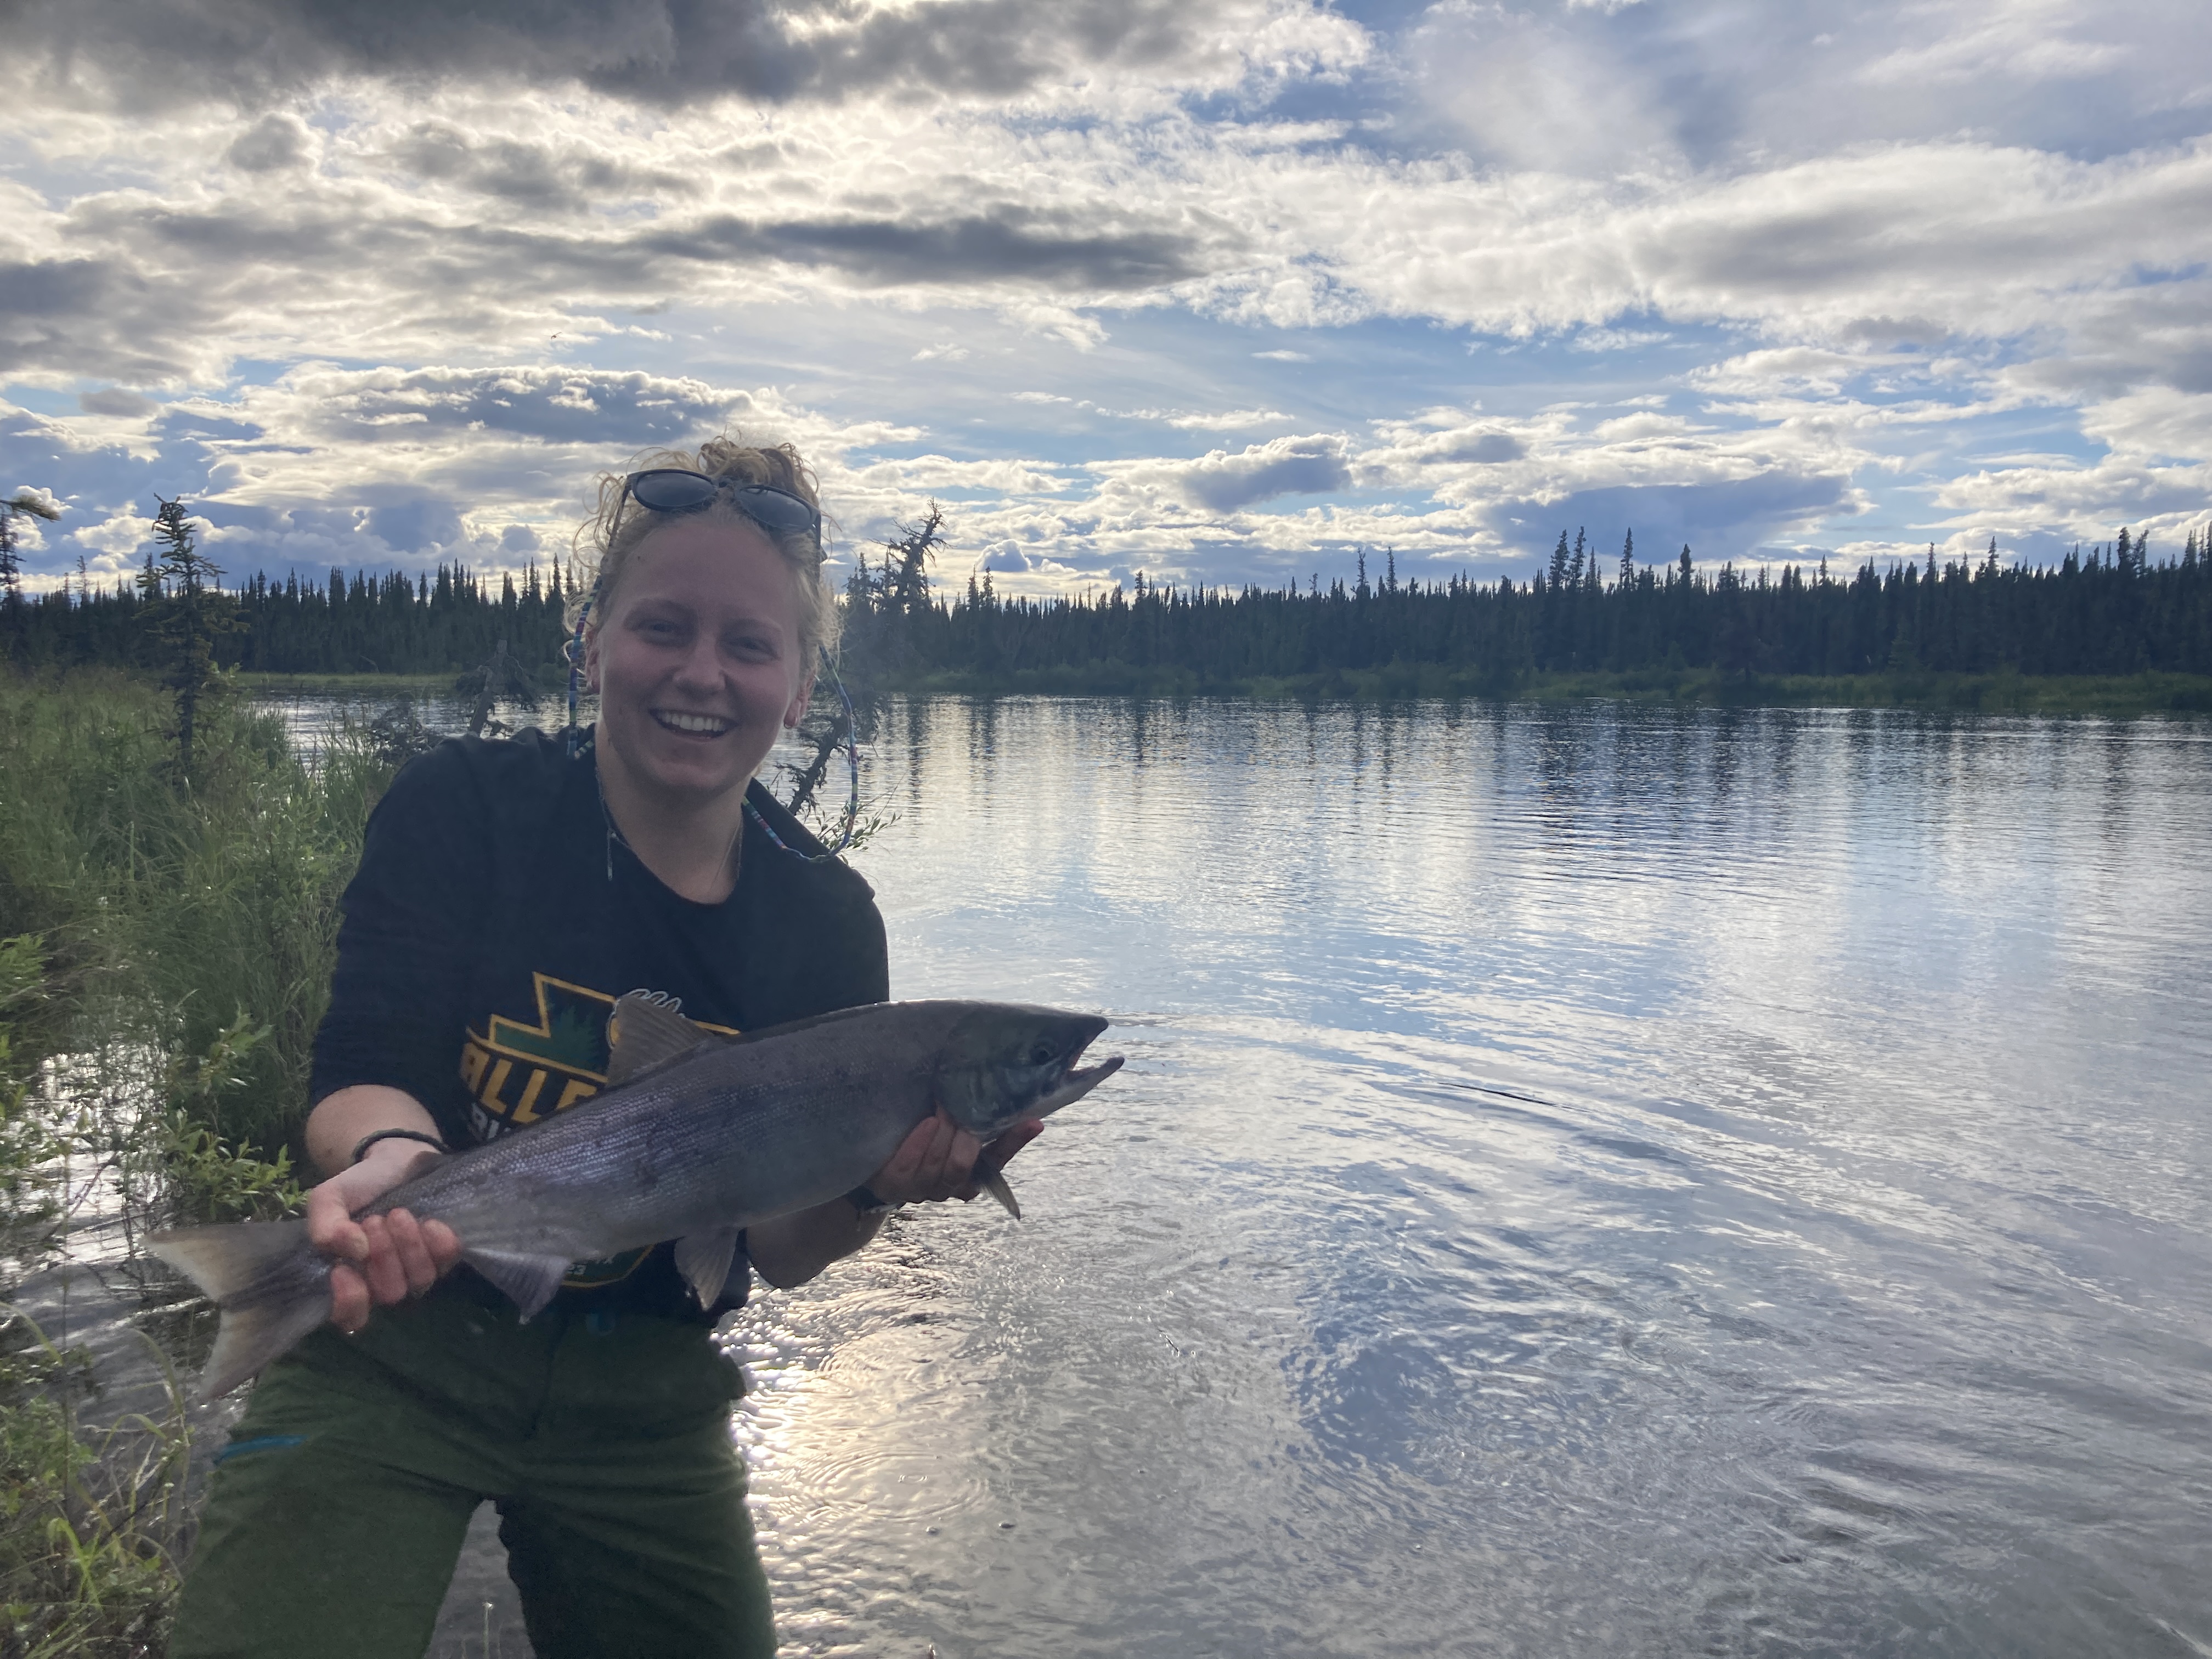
339,1507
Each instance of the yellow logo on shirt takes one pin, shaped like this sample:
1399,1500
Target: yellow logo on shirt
518,1075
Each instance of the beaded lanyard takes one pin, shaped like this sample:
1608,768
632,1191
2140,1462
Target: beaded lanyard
574,652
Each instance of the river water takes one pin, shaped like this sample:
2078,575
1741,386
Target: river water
1587,1180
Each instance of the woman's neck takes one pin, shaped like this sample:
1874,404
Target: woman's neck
690,845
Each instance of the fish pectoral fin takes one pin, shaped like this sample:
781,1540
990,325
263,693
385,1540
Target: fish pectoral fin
704,1260
531,1280
644,1036
995,1184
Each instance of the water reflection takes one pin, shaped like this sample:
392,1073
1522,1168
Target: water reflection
1585,1180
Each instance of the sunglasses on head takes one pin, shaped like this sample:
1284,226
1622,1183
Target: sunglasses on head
677,489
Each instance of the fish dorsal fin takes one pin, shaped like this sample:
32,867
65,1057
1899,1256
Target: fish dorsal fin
644,1036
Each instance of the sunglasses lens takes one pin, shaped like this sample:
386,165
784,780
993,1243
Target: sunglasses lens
666,489
775,509
670,491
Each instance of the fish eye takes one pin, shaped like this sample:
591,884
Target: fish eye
1042,1052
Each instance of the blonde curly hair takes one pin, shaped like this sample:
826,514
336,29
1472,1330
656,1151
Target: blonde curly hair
604,543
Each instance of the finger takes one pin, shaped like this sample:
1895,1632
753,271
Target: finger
951,1176
443,1243
388,1281
348,1299
960,1157
331,1229
907,1160
928,1175
1003,1150
413,1254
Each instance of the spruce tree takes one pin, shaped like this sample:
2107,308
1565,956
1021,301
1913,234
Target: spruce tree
11,577
185,620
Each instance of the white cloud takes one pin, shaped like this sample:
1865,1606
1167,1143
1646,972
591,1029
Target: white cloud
2025,41
639,52
1616,339
121,535
2158,422
906,476
1856,257
1221,482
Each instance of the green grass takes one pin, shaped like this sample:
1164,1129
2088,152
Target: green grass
166,941
95,1506
377,687
172,910
93,1520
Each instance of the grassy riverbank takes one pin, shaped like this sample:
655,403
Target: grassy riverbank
170,909
165,942
2012,694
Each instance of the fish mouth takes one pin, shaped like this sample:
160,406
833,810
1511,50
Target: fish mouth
1078,1081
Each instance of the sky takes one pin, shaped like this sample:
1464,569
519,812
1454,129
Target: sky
1221,291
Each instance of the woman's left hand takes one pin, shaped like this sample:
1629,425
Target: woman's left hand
940,1160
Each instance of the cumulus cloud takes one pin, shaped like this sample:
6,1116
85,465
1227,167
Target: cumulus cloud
2159,422
339,466
1009,243
659,52
1605,89
278,141
1826,258
115,401
1219,481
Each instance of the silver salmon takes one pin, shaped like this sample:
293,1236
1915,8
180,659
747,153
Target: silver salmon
695,1138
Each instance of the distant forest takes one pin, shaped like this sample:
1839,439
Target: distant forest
2109,610
387,624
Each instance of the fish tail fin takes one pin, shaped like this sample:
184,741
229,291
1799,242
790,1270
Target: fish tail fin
267,1279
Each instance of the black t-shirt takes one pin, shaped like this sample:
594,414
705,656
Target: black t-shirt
494,920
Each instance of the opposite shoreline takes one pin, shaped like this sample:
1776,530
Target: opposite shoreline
1993,694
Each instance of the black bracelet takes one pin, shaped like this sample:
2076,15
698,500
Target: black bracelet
366,1141
866,1202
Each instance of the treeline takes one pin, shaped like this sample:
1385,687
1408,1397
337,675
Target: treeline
2111,610
362,624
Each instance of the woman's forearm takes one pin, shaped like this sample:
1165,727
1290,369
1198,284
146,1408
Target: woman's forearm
339,1121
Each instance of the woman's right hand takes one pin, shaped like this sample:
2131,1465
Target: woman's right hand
380,1259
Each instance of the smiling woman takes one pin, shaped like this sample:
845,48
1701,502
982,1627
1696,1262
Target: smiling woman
509,894
700,633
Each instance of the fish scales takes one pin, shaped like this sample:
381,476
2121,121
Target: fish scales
695,1138
651,1162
